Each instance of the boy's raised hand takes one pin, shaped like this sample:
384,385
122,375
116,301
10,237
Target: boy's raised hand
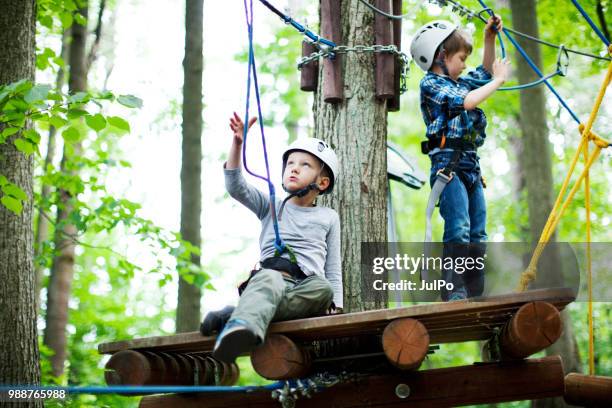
237,127
501,69
494,25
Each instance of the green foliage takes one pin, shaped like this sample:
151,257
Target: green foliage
23,102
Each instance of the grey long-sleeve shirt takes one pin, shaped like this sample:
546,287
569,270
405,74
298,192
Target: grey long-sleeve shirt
312,232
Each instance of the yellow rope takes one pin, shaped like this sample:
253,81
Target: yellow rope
559,209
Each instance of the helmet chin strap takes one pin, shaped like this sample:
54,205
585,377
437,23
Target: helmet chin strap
297,193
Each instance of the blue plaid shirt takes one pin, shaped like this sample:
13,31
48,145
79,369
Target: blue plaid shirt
442,107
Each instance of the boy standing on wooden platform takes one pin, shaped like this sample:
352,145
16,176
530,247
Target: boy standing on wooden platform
305,281
455,129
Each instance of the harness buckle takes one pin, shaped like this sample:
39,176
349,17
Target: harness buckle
445,174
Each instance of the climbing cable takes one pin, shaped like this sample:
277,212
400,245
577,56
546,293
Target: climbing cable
384,13
316,39
279,245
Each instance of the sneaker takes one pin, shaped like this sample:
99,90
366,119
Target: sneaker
456,296
236,338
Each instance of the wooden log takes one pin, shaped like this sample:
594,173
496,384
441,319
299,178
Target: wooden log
588,390
385,62
478,319
393,104
279,358
534,327
309,73
130,367
331,28
405,342
467,385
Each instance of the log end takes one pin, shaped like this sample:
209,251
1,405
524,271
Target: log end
279,358
405,343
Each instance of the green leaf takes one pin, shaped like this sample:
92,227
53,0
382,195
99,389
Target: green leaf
24,146
119,123
96,122
32,135
12,204
71,135
58,121
80,19
10,131
14,191
66,19
38,93
46,21
3,180
130,101
76,113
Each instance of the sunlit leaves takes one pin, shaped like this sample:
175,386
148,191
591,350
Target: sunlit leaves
12,196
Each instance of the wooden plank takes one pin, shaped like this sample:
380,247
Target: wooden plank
372,322
331,28
466,385
385,62
393,105
309,73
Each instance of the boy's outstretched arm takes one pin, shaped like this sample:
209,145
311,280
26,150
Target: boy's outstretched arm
235,153
494,25
477,96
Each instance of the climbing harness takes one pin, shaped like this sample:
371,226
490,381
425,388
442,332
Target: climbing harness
403,58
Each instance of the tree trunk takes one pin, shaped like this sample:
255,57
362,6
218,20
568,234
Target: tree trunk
19,345
537,167
62,270
357,130
42,229
188,308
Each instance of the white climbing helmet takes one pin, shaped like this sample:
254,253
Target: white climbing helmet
319,149
427,40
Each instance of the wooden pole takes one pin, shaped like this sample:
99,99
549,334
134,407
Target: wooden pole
279,358
467,385
588,390
331,28
534,327
385,62
309,73
393,105
405,342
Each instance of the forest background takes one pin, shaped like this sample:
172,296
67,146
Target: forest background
126,173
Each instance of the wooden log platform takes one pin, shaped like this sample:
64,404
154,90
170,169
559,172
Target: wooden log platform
466,385
466,320
588,390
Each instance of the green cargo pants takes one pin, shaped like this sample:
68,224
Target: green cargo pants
271,296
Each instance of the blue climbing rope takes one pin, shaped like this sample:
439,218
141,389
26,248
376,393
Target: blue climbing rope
591,23
279,245
536,70
146,389
288,20
562,64
499,37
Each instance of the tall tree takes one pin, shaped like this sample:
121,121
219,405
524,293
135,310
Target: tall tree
19,345
62,269
356,128
189,295
42,229
537,168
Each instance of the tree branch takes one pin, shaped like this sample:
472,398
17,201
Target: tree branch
91,57
602,20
